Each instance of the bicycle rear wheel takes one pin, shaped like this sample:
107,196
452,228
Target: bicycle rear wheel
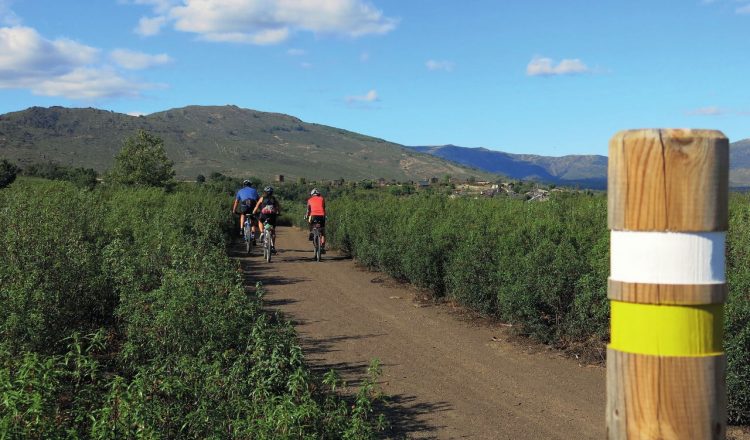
316,245
267,244
248,238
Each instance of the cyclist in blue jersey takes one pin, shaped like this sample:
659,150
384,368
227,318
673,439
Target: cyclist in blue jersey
246,198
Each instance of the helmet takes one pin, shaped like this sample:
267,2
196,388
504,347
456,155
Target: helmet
315,192
268,190
247,182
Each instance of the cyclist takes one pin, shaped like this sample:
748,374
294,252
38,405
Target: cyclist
269,211
316,213
246,199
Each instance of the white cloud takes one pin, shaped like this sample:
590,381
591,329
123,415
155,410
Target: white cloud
267,21
149,26
708,111
24,54
133,60
88,84
296,52
741,7
440,65
135,114
713,110
59,67
541,66
370,96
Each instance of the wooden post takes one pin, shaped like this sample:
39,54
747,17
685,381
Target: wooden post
668,216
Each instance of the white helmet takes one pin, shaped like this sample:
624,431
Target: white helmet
315,192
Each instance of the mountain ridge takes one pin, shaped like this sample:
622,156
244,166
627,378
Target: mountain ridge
227,139
588,171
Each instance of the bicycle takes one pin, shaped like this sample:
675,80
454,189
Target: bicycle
267,240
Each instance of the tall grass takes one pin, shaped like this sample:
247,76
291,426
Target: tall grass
541,266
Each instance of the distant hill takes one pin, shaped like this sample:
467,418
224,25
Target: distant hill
739,163
588,171
228,139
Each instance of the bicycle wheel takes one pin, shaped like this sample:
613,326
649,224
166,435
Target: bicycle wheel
316,245
248,238
268,243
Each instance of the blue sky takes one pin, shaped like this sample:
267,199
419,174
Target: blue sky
543,77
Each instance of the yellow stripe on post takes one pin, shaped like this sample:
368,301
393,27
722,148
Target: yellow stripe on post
667,330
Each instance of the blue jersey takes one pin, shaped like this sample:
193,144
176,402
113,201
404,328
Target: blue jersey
247,193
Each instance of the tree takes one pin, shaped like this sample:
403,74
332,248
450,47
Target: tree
142,161
200,179
8,173
83,177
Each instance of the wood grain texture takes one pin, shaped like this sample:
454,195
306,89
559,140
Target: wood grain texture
668,180
665,398
670,294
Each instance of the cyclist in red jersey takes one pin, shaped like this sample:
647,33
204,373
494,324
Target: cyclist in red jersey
316,213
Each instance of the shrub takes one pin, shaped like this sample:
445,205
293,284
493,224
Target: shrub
142,161
8,173
123,317
541,266
83,177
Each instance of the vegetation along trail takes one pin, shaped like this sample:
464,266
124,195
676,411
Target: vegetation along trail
446,377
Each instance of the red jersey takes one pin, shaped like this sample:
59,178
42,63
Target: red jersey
316,205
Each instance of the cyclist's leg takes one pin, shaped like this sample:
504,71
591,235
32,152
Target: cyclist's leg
321,221
242,223
323,232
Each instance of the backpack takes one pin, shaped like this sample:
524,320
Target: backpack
269,206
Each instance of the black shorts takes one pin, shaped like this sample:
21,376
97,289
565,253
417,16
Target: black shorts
270,217
247,206
320,219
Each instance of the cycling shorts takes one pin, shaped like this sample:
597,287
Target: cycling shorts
247,206
320,219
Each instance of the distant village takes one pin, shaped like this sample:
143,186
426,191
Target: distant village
527,190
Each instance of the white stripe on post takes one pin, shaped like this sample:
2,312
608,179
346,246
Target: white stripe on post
667,257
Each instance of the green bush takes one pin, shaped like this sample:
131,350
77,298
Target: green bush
541,266
123,317
8,173
83,177
142,161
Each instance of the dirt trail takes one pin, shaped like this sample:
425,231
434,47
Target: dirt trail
448,378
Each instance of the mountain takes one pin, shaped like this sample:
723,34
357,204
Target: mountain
589,171
227,139
739,163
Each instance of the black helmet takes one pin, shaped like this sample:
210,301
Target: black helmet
268,190
247,183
